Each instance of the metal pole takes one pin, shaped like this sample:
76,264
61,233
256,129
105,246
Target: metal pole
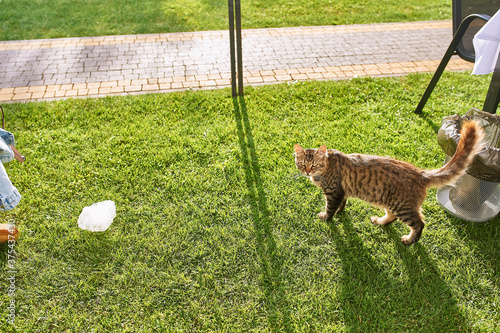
234,9
239,48
231,47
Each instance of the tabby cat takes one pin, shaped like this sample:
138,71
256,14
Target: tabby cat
397,186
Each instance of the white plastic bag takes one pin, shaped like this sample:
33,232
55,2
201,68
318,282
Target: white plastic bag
97,217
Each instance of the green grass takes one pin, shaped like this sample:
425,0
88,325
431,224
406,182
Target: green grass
216,230
35,19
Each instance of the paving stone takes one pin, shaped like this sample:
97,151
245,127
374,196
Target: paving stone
59,68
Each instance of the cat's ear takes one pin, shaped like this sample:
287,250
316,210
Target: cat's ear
298,148
322,149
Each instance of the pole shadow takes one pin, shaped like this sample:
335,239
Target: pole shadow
274,292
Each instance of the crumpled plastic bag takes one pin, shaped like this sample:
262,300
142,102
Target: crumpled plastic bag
97,217
486,165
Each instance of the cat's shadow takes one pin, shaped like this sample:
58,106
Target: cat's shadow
373,291
475,234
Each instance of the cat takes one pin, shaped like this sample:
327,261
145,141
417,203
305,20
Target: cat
397,186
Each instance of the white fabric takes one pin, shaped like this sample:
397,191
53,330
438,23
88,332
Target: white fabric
487,46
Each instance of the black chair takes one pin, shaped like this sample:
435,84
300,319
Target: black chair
466,23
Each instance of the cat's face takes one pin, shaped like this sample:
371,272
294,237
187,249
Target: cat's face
311,162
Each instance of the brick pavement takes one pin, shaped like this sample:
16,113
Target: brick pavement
97,66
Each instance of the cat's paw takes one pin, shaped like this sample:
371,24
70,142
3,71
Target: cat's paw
407,240
384,220
323,216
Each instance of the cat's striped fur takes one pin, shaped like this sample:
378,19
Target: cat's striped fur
397,186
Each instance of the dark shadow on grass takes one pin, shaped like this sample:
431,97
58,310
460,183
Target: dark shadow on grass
363,280
411,297
429,120
432,298
483,238
274,293
4,254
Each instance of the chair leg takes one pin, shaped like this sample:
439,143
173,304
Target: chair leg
447,56
493,95
435,79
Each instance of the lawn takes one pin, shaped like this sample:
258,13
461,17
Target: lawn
35,19
216,230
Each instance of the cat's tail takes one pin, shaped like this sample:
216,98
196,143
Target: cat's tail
469,145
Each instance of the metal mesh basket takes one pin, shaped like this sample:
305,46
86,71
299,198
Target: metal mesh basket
475,196
471,199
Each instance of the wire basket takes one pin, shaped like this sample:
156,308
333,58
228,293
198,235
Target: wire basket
471,199
475,196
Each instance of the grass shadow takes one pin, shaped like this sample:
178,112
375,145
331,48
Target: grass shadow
363,280
483,239
4,255
378,295
430,121
431,297
274,293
